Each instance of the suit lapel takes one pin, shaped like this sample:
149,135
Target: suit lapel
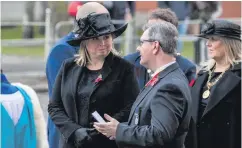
227,83
146,90
139,99
197,89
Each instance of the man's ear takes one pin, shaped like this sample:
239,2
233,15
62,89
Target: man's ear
156,48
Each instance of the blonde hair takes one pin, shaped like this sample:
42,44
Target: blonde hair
83,58
232,52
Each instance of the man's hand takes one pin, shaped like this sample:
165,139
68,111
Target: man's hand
109,128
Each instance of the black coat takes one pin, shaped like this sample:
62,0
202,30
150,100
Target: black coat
160,116
114,96
219,126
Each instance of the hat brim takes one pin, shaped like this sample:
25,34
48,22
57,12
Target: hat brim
117,32
206,36
202,36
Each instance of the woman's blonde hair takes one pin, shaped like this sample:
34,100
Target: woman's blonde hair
83,57
232,52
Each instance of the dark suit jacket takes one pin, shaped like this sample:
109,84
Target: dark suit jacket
160,115
220,124
141,73
114,95
60,52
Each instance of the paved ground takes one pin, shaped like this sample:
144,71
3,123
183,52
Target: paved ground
44,99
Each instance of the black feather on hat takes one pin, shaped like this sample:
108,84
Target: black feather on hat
95,25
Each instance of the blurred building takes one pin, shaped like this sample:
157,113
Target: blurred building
143,6
15,11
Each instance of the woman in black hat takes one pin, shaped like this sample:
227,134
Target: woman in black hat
96,80
216,93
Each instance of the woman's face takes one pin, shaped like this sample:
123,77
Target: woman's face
216,48
100,46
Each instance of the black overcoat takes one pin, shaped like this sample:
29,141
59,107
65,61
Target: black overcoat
113,95
220,124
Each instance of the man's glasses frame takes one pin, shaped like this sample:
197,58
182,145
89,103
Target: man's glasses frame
141,42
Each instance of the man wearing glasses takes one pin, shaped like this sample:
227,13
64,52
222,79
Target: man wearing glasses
161,113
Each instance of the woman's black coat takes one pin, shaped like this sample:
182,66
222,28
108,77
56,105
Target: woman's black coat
220,125
114,96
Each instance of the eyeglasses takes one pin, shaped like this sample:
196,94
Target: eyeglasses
141,42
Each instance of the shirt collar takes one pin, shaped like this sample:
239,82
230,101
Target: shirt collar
162,68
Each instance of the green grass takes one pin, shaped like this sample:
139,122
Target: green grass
24,51
17,33
188,50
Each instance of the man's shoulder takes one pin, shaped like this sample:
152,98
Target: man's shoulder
132,57
175,78
123,62
62,43
29,90
183,62
61,49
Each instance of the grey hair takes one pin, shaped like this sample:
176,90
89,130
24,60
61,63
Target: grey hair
165,33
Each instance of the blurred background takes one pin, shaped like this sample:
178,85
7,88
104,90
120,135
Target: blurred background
30,29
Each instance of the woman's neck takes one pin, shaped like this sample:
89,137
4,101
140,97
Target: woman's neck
221,65
95,64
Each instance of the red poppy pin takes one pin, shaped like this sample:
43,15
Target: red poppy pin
98,79
152,81
192,82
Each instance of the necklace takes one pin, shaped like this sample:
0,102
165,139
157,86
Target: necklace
206,93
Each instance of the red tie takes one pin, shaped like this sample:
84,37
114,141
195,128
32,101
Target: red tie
152,81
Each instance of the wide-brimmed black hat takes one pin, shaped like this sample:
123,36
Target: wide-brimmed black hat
221,28
95,25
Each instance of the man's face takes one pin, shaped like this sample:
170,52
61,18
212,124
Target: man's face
145,48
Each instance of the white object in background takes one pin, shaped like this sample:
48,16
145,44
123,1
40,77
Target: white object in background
98,117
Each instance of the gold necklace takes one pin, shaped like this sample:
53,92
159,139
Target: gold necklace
206,93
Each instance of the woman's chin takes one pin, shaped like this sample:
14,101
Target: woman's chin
102,54
211,56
